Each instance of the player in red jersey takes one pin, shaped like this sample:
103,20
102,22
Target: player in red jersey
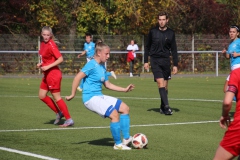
230,145
50,59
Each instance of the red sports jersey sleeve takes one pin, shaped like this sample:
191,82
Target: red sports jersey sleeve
49,52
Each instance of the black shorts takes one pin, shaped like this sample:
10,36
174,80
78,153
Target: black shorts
161,68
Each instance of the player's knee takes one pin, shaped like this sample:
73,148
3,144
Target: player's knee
114,116
41,96
125,109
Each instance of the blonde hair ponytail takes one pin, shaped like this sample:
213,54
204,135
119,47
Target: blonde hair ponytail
50,30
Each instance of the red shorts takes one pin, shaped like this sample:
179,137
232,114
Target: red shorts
52,81
231,141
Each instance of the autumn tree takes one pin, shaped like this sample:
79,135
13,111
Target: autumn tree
205,16
234,7
13,17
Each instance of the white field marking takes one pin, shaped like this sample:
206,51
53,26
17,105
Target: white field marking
80,128
174,99
27,153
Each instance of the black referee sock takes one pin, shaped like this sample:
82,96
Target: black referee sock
162,103
163,95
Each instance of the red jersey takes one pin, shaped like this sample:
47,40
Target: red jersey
231,139
49,52
235,81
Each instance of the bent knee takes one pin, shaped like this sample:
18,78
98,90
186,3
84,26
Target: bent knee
41,96
114,116
124,109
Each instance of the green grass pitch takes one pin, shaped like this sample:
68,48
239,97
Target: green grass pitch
191,133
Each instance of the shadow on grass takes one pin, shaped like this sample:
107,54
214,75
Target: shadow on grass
52,121
158,109
99,142
102,142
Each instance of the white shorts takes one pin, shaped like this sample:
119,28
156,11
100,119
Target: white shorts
103,104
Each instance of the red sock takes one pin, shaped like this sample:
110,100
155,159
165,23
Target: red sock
64,109
50,103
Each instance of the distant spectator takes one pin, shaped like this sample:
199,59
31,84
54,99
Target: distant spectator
131,48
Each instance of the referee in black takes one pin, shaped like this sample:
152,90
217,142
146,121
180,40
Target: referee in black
160,45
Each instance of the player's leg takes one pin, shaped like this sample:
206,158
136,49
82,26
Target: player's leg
54,80
111,74
115,127
125,122
164,99
45,98
63,107
105,107
162,103
123,109
131,68
222,154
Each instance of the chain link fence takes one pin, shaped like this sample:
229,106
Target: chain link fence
19,53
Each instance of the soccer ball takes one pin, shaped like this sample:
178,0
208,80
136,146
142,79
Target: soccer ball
139,141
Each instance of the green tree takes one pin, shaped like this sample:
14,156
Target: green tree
234,7
92,17
61,15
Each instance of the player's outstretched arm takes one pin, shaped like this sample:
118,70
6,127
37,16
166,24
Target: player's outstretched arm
82,54
113,87
75,84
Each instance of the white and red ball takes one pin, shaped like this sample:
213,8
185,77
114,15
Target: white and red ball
139,141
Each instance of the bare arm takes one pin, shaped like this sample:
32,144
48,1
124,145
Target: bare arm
224,52
75,84
57,62
236,54
226,107
82,54
113,87
175,69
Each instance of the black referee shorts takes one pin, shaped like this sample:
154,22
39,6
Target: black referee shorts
161,68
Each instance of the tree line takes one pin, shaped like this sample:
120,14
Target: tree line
116,17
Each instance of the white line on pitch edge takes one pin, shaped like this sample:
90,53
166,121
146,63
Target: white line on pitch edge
27,153
80,128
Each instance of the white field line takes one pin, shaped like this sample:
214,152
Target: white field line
81,128
174,99
27,153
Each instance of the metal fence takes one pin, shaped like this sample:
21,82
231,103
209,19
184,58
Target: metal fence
190,62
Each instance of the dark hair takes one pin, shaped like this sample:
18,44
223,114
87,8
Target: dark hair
88,34
163,13
235,26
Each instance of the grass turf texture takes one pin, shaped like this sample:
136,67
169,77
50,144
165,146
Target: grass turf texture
193,99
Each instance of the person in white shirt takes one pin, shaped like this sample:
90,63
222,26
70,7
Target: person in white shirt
133,48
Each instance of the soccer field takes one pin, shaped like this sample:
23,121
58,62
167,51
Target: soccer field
191,133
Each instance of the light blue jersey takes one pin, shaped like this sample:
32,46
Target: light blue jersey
90,48
96,75
234,47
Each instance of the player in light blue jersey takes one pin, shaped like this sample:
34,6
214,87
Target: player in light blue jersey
94,75
233,52
89,50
